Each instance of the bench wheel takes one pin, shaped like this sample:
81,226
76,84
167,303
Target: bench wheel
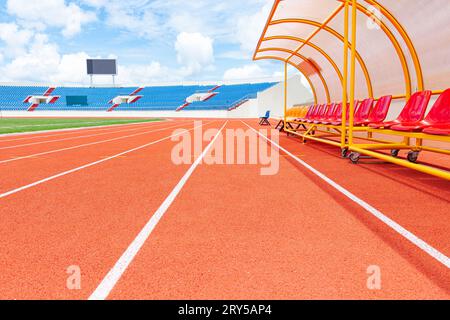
354,157
394,153
413,156
344,153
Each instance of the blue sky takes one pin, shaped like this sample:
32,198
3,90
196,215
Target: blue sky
48,41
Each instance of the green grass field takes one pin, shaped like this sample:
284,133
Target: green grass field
15,125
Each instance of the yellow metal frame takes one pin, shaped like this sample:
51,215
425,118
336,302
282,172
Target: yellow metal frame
319,73
388,15
401,30
313,88
338,36
346,131
327,20
312,45
344,92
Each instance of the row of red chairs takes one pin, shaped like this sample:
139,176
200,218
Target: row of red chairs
411,119
365,113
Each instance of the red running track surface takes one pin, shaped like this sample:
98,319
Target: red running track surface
230,233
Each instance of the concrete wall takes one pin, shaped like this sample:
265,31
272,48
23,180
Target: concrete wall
116,114
273,98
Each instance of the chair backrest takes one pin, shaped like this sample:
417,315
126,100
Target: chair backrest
415,108
338,112
323,111
347,115
330,111
310,111
290,112
363,111
314,111
380,110
319,111
267,114
440,112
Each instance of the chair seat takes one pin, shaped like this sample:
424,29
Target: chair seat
327,121
410,127
441,130
385,125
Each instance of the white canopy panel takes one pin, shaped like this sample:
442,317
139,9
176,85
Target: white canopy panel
400,49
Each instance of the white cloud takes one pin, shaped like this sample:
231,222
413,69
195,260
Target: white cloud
249,27
71,68
235,55
39,60
250,71
95,3
140,22
194,52
50,13
15,40
191,27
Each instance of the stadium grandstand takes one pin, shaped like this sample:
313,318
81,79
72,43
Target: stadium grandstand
319,168
156,98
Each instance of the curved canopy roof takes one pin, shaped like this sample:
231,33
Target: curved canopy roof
402,45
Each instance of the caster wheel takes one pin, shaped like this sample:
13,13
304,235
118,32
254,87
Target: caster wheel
413,156
344,153
394,153
354,157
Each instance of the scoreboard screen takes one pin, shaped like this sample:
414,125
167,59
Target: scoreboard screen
101,67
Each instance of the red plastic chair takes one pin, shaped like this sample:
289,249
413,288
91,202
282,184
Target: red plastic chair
316,114
379,111
337,114
338,121
436,122
362,114
414,111
328,111
309,114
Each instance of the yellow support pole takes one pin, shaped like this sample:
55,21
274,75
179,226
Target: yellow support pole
285,93
345,77
352,74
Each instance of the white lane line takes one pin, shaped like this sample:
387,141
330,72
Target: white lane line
89,144
11,192
50,124
436,254
69,138
60,132
114,275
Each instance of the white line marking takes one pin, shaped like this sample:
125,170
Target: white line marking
89,144
114,275
51,124
69,138
60,132
3,195
439,256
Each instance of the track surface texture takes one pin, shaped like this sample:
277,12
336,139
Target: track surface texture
112,202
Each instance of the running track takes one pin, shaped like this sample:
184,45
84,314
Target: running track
111,201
